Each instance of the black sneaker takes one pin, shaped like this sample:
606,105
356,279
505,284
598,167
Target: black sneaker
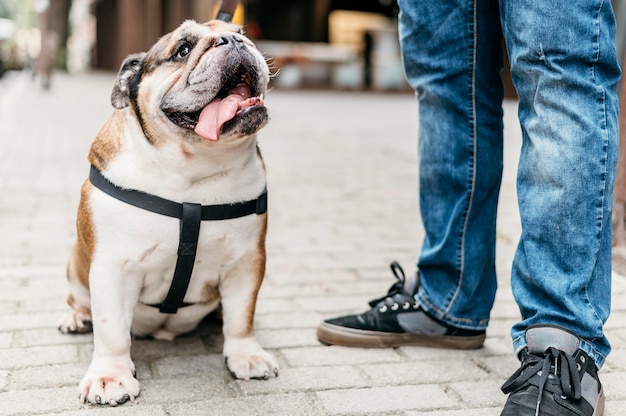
396,319
556,377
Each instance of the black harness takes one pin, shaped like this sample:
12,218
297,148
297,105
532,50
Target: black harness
190,215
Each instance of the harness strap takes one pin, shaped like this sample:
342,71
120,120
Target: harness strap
173,209
190,215
187,247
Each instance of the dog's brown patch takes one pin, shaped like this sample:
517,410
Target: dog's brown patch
258,266
107,144
80,260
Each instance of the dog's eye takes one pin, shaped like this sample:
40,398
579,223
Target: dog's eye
183,51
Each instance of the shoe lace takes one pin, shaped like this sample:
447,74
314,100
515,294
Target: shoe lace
397,288
564,380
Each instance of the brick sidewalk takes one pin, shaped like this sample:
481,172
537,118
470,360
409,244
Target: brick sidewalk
342,180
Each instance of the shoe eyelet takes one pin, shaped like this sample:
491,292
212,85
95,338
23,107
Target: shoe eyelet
382,309
563,397
416,306
406,306
395,307
578,367
582,359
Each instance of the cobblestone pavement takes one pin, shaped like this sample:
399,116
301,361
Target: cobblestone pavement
342,180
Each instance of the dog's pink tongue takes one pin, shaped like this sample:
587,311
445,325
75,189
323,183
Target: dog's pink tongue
214,115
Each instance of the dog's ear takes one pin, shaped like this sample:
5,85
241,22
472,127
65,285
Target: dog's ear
127,80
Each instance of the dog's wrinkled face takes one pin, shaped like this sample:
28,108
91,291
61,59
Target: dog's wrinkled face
204,80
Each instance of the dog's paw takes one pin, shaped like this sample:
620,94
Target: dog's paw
109,381
76,322
258,365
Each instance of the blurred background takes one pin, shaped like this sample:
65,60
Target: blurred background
344,44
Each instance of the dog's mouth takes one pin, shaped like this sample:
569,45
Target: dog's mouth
237,96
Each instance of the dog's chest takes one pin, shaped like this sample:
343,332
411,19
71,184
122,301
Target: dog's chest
143,246
220,245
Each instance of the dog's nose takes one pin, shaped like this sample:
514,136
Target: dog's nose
225,40
222,40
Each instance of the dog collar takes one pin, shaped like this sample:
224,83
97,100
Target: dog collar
190,215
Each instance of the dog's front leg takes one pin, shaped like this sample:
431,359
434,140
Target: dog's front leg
110,378
245,357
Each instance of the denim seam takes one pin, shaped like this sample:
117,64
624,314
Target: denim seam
605,157
472,91
596,42
602,198
600,224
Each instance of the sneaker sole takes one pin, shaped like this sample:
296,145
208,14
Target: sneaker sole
349,337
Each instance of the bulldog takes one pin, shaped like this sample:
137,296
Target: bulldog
171,223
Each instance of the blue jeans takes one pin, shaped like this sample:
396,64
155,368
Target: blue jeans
565,71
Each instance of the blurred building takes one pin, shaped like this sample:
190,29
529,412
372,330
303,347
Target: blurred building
339,43
124,27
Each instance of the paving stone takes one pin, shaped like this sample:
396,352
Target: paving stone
479,393
4,379
35,356
209,365
484,411
183,346
333,305
9,308
187,389
39,401
334,355
48,376
276,305
127,409
614,408
6,339
282,404
287,321
287,338
422,372
54,304
614,384
18,321
500,367
385,399
308,379
50,336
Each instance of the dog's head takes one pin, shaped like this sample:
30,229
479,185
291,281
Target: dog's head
201,80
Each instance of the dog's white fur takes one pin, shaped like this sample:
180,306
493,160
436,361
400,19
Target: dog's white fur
124,258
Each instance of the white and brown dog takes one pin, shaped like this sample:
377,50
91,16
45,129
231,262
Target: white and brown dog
180,148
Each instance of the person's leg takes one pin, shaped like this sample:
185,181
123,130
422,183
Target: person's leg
452,56
565,71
